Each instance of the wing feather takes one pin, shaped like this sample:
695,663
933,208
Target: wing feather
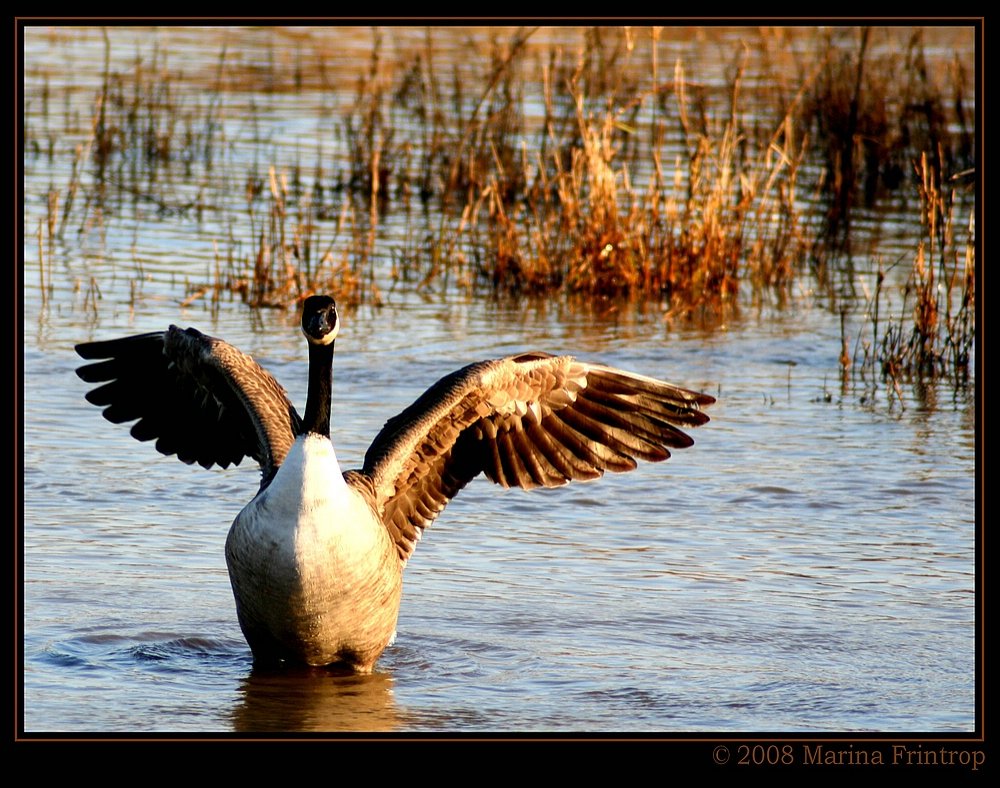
196,396
531,420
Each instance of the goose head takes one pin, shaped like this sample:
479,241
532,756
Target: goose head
320,321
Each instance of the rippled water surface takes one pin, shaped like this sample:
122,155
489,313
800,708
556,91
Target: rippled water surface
808,565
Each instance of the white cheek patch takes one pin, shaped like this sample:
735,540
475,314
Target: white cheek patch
326,340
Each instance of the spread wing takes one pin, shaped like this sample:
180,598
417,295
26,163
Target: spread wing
196,396
532,420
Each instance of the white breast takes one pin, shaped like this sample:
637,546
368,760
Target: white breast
308,554
308,516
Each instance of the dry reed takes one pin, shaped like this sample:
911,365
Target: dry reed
618,182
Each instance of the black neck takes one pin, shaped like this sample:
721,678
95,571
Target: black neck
320,389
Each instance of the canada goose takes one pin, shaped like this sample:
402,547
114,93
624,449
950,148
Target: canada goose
316,558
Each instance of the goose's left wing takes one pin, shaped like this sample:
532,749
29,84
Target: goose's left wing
531,420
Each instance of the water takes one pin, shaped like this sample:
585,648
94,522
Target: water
808,565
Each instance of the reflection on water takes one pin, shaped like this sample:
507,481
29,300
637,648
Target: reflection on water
314,700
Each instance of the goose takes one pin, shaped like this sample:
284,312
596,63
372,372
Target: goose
316,558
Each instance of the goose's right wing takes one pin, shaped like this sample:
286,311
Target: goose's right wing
198,397
531,420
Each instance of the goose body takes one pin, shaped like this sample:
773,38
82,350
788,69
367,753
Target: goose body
316,557
316,576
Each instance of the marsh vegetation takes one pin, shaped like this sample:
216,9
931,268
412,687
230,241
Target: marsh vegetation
590,164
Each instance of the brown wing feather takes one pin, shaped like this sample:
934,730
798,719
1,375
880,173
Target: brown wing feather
196,396
531,420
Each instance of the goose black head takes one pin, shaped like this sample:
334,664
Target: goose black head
320,321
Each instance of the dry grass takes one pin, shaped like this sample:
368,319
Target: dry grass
933,331
627,178
875,109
